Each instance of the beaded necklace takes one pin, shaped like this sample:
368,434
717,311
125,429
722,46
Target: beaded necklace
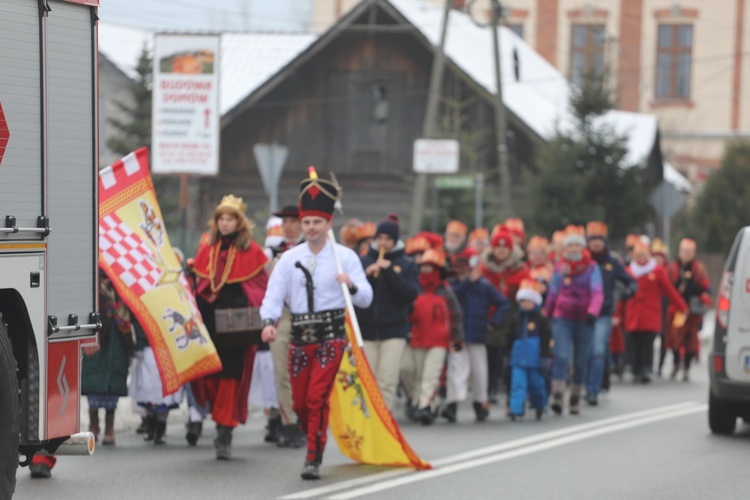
213,261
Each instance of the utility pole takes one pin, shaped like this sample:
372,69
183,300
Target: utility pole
429,127
500,120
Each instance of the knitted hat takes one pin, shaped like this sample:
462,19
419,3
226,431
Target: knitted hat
317,197
389,226
530,290
596,229
574,234
502,239
516,228
456,226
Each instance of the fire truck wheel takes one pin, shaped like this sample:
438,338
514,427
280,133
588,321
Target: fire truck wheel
9,415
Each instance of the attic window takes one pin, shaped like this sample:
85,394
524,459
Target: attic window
380,102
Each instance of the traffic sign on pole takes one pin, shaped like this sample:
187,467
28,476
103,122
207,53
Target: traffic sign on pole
271,159
436,156
454,181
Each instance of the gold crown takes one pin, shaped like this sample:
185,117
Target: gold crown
234,202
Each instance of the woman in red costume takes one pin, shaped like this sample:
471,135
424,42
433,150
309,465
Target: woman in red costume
230,272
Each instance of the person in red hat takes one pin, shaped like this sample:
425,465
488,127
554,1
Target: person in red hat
385,325
690,277
643,311
436,324
502,265
613,272
306,279
230,271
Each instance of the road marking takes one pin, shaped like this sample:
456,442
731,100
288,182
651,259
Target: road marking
536,438
518,452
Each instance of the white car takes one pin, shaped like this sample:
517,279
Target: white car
729,369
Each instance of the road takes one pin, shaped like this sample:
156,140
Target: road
640,442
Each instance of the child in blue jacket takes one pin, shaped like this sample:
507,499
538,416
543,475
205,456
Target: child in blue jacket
483,305
529,339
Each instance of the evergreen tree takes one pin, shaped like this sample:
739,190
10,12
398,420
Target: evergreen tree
134,132
722,207
582,173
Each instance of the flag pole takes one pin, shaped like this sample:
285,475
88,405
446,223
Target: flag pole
345,290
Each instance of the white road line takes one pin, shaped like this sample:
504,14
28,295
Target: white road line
545,436
423,476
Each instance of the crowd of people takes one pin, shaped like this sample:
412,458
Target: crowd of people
508,320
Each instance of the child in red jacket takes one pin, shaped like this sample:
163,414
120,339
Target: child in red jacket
437,323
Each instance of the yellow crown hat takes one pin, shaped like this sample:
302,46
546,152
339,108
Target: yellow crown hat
233,202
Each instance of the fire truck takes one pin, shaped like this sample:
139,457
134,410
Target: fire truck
48,225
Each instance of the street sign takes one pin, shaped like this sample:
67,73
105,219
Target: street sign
436,156
669,203
271,159
4,133
454,182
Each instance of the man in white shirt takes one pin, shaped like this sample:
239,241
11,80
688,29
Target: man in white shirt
306,279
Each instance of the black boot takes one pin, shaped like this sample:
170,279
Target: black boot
480,411
425,415
449,412
150,427
223,442
143,426
161,430
194,430
273,430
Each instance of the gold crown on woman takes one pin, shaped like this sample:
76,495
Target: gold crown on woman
233,202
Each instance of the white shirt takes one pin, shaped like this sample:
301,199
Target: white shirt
288,283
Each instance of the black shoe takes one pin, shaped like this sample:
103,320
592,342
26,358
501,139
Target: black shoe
194,431
480,411
291,436
40,471
449,412
142,428
645,379
223,442
273,429
161,430
425,416
592,400
150,428
539,414
310,471
557,404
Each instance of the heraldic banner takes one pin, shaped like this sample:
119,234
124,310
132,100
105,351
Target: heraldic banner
135,253
360,421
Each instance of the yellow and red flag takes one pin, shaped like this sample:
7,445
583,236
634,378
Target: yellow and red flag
360,421
135,253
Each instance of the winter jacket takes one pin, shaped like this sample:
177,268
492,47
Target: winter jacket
612,271
643,312
436,319
395,290
106,371
574,297
482,304
529,336
506,276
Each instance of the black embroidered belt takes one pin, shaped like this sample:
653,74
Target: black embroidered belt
312,328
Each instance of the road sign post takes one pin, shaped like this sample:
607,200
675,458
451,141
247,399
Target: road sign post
271,159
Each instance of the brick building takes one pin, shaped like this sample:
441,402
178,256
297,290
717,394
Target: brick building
686,61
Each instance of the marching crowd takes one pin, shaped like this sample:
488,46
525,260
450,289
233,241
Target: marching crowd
444,317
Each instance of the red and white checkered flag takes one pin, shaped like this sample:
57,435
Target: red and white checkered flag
128,255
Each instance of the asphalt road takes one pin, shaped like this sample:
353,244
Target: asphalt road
640,442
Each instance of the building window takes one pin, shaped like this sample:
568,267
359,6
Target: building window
516,28
587,53
673,61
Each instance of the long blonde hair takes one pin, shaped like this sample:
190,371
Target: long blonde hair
244,226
